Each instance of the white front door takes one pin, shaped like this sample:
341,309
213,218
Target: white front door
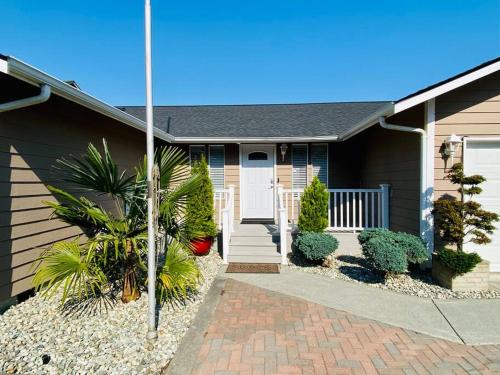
483,157
257,172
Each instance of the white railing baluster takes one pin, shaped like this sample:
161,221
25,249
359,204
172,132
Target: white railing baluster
373,211
369,207
335,209
341,209
360,212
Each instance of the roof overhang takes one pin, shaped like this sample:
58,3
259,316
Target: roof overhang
27,73
452,84
254,139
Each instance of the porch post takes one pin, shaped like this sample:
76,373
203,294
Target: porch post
385,204
231,208
282,225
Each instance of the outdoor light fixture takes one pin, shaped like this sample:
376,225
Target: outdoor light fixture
450,146
283,149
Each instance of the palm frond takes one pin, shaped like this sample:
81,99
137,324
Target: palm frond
65,266
178,275
78,211
97,173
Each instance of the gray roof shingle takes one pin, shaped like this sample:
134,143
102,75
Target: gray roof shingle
264,120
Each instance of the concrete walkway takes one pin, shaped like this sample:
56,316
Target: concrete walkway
243,329
472,322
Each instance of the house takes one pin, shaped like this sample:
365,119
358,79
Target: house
383,162
41,120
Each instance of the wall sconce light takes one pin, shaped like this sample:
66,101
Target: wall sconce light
450,146
283,149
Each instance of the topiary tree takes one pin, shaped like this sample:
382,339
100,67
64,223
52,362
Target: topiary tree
314,208
200,205
462,221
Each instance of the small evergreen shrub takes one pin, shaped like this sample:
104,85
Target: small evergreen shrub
200,205
316,246
385,255
314,208
458,262
368,234
413,246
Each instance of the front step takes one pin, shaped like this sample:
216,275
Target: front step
254,243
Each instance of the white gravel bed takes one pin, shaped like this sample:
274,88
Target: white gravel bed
110,342
355,269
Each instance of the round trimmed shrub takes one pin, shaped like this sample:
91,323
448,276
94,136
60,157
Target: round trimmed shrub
316,246
458,262
385,255
413,246
368,234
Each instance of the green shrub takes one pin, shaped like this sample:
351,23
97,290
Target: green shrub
457,261
385,255
314,208
368,234
200,206
316,246
413,246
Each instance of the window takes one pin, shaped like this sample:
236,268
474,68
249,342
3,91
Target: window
299,166
319,161
257,155
216,163
195,152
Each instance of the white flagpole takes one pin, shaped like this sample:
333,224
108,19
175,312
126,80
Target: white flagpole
152,334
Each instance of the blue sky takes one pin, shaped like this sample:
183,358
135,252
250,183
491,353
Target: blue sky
260,51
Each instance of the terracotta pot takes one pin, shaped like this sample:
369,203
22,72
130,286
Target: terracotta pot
202,246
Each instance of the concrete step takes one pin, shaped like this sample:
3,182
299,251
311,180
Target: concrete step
254,229
254,241
254,250
253,258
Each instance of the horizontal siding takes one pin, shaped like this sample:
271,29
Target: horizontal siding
393,158
31,141
472,110
232,173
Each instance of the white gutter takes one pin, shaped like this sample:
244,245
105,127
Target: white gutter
31,75
42,97
386,111
254,139
423,169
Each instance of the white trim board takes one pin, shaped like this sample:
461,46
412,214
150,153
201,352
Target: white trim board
446,87
36,77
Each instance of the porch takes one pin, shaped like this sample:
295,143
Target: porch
349,211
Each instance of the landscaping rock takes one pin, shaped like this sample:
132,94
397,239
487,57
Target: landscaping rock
111,341
415,283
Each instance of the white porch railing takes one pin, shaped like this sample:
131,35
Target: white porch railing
224,205
348,209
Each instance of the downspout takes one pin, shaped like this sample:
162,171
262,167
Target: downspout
27,102
423,168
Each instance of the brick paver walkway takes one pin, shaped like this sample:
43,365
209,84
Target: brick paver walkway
255,331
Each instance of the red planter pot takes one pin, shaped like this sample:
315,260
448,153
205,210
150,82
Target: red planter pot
202,246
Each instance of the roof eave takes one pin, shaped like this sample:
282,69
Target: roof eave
34,76
212,140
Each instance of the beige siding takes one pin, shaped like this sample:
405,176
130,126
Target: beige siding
472,110
391,157
31,140
232,173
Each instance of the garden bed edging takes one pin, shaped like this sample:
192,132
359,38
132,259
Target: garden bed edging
477,279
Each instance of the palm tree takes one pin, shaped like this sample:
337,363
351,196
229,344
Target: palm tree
111,256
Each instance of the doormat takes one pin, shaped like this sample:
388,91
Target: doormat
253,268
